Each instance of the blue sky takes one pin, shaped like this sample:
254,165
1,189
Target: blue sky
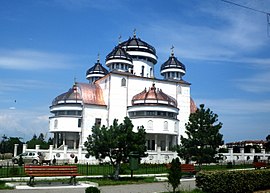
44,44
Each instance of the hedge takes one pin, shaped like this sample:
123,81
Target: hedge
92,190
244,181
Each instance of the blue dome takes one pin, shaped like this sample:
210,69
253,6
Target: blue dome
172,62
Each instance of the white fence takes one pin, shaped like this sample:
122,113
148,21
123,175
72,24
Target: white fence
245,157
65,155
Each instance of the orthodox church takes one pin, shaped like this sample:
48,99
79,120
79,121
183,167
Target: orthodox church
125,87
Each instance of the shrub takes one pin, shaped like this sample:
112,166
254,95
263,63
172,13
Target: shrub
92,190
229,165
233,181
174,174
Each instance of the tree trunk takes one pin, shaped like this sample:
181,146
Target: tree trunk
116,171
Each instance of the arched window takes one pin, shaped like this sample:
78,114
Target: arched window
123,82
55,124
150,125
175,127
165,125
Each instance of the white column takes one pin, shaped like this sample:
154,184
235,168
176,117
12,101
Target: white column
263,153
230,154
80,152
74,143
242,151
24,147
252,151
37,148
156,145
51,152
15,149
64,139
65,152
56,136
167,143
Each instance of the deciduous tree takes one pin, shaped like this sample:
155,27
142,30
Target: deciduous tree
116,143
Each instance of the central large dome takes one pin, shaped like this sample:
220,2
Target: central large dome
136,47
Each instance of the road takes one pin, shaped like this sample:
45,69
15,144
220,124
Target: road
131,188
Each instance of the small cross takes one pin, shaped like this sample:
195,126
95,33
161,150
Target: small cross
119,39
98,58
172,52
134,33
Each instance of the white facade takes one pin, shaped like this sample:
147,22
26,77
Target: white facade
162,106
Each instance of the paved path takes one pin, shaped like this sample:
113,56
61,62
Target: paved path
131,188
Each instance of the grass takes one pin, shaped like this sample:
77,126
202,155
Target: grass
3,186
122,181
186,191
223,167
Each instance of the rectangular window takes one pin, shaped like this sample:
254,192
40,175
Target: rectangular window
162,146
148,145
98,122
151,145
79,122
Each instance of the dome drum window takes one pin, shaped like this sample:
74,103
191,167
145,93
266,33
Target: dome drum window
68,113
156,114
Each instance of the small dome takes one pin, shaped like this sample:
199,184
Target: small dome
118,53
71,95
119,60
193,107
97,69
153,96
96,72
173,64
81,92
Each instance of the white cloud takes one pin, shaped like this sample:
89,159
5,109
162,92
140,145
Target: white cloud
258,83
32,60
233,106
242,119
229,33
8,85
23,123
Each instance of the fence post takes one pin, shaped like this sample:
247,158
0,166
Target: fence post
87,168
7,169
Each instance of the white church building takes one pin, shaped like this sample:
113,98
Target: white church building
125,87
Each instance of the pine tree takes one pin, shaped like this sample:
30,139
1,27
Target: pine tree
174,174
203,137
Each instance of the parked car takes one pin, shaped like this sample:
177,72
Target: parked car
29,157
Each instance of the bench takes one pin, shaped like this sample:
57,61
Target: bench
49,171
186,168
258,165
